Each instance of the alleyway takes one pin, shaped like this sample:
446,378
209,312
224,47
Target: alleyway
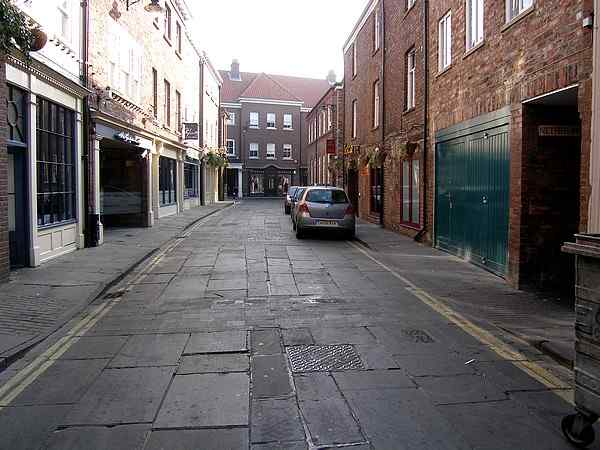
236,335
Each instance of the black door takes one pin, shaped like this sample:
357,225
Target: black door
353,189
17,207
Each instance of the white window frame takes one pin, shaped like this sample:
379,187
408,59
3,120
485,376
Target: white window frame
354,59
514,8
445,42
125,64
287,148
273,122
231,120
288,122
376,30
411,65
329,117
354,118
65,15
233,147
270,154
474,23
376,104
253,147
256,123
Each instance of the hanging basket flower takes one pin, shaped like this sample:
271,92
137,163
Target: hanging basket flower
403,150
372,157
14,29
216,158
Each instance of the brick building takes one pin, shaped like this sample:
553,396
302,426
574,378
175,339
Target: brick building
471,152
363,130
264,131
150,80
510,111
324,129
4,242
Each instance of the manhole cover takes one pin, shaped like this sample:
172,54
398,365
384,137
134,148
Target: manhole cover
418,336
323,358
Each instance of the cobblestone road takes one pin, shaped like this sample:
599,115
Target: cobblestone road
238,336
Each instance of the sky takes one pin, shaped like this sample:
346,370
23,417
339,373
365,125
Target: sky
283,37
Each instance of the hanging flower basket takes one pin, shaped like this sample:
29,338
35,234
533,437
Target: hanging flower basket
15,30
372,157
216,158
403,150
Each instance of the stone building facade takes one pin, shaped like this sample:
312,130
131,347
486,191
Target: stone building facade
4,242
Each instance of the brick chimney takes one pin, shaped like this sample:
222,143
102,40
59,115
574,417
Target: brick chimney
234,73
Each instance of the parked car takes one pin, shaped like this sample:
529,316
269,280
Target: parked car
287,202
294,203
324,208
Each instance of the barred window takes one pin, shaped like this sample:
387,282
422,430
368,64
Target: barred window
191,180
56,170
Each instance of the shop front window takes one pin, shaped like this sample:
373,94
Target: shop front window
167,173
191,181
56,171
256,184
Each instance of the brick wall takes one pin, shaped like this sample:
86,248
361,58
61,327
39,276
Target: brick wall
4,250
359,87
540,53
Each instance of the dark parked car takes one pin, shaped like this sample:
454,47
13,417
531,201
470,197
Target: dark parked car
287,202
324,208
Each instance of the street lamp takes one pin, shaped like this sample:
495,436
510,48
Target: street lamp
152,7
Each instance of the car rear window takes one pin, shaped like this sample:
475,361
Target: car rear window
292,191
299,193
326,196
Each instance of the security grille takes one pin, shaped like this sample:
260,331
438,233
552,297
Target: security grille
323,358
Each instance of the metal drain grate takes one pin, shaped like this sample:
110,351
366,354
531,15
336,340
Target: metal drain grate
323,358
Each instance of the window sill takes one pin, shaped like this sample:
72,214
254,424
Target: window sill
444,70
253,157
271,158
473,49
287,159
252,127
167,40
271,128
517,18
56,225
288,129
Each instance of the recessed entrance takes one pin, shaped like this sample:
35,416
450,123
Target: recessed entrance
551,186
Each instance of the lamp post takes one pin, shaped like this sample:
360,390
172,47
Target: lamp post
152,7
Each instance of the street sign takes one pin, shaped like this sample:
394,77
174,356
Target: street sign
331,146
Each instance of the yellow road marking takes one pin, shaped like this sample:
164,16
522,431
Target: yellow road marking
24,378
498,346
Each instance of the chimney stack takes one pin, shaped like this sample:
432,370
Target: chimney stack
234,74
331,77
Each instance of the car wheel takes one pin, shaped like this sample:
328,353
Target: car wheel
350,235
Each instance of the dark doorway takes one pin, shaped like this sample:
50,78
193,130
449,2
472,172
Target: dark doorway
232,183
353,188
551,210
17,207
123,195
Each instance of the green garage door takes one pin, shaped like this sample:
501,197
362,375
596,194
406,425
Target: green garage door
472,191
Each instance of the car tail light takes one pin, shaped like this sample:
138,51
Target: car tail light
349,211
303,209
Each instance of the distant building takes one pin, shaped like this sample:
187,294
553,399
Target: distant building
264,130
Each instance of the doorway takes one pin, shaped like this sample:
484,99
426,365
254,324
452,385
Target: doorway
353,188
17,207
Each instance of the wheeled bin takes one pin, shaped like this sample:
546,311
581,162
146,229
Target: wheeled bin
578,427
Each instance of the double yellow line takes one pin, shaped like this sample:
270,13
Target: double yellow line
498,346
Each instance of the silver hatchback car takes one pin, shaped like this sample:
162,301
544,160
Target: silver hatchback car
324,209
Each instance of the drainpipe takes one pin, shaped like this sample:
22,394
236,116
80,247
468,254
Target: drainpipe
382,108
423,229
201,132
91,221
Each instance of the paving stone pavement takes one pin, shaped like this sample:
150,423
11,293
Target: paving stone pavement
192,352
38,300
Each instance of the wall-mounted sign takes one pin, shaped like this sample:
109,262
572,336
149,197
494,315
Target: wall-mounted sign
559,131
190,131
128,138
331,146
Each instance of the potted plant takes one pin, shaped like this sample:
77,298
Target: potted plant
16,32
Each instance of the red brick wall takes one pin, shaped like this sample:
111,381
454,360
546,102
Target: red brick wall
542,52
4,255
360,87
403,32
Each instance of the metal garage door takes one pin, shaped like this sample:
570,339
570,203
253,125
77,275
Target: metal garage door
472,191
